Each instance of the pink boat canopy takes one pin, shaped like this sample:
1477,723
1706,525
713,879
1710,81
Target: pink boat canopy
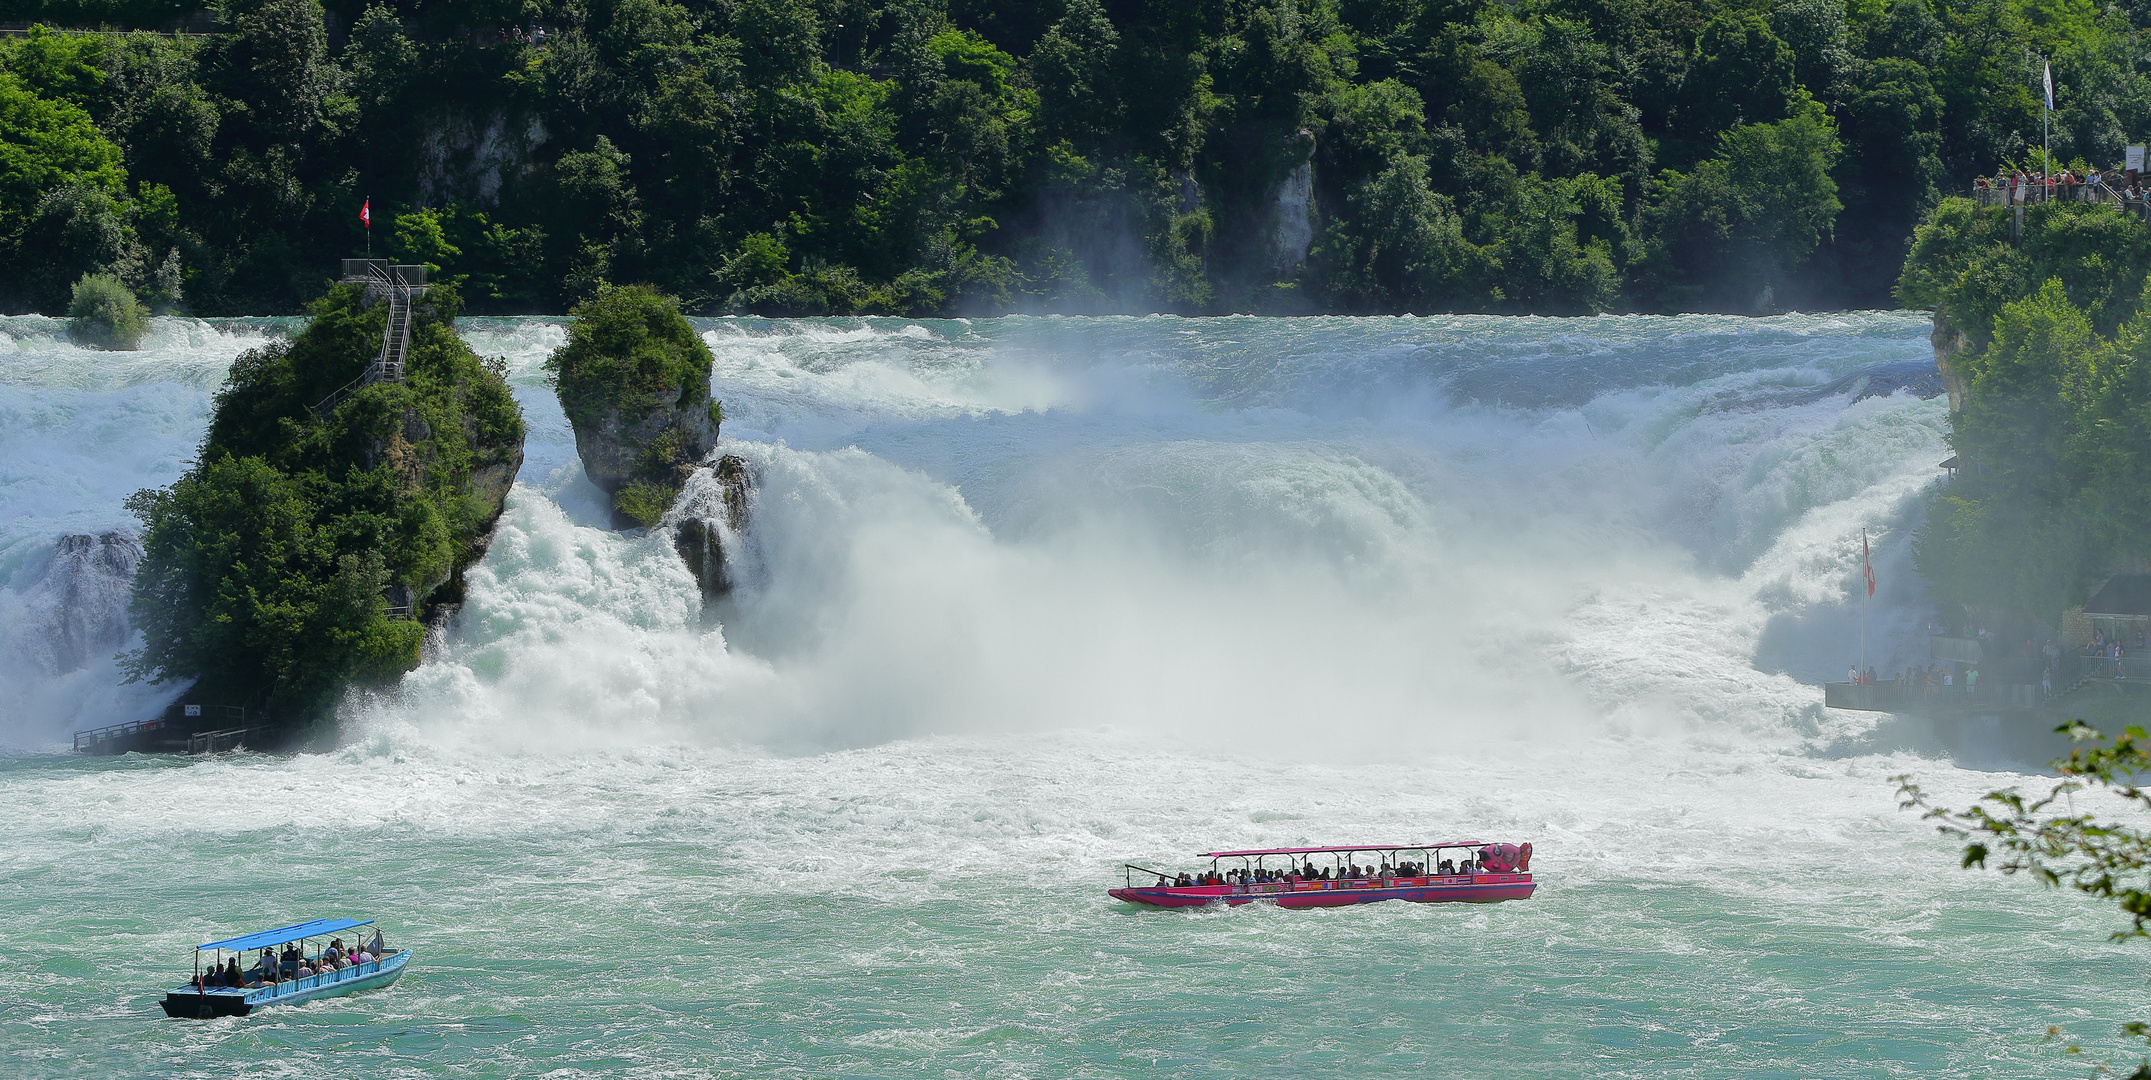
1341,848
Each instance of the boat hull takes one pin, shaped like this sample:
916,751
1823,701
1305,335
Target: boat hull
1450,889
187,1003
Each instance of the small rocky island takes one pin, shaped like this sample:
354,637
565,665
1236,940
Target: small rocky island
348,477
634,380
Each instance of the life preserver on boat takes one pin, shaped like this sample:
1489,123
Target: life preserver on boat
1523,859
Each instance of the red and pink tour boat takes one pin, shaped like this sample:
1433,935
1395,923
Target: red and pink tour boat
1332,877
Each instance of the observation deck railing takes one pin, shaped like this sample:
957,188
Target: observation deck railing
216,742
399,284
87,742
2037,192
111,739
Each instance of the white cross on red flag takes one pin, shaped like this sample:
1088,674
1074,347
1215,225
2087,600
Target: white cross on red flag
1867,569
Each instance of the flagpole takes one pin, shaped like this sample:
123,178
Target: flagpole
2046,117
367,218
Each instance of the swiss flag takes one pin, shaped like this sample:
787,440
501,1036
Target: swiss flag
366,212
1867,569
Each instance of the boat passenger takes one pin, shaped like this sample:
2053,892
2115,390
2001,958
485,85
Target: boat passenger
1162,883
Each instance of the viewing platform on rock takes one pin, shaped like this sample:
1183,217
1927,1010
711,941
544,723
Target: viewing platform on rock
2003,682
2134,201
183,728
2111,646
399,284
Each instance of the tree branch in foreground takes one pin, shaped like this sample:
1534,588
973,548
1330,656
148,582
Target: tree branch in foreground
2050,840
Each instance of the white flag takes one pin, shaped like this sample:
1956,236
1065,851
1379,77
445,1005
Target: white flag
2050,88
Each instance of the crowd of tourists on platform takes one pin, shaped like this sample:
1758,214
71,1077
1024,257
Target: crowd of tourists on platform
293,963
2023,186
2112,649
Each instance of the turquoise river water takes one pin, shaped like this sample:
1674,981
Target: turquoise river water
1025,599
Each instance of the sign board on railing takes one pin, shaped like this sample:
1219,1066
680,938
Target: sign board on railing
2132,159
194,710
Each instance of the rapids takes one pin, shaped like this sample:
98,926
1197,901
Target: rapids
1023,599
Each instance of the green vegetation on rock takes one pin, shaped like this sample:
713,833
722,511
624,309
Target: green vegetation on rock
634,380
627,349
923,157
2047,344
105,314
268,568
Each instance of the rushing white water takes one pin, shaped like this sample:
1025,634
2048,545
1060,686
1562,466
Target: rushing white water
1024,599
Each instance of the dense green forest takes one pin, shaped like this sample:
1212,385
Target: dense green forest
2049,341
978,156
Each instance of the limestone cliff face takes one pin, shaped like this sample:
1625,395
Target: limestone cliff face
1949,343
1292,231
617,444
468,156
410,449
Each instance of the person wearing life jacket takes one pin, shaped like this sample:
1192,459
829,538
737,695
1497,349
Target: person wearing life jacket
1523,859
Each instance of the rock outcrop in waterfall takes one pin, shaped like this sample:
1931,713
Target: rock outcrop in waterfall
75,613
634,379
710,522
348,478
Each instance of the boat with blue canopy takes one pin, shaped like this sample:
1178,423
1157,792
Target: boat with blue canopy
297,963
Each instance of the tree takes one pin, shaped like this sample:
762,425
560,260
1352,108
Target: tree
1400,245
1742,75
1073,67
105,314
44,144
282,55
1741,222
627,348
2050,839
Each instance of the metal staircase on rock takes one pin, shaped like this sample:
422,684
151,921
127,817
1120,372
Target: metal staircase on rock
399,284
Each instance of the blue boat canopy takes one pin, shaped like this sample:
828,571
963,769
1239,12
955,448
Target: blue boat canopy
269,938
